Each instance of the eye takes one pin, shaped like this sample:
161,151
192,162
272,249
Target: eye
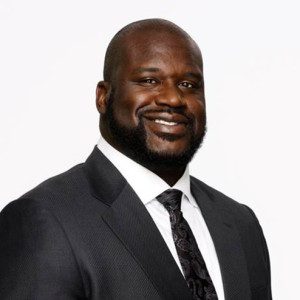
187,85
148,81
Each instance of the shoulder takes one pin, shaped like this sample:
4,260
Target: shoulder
242,215
245,220
67,182
35,204
220,200
70,183
44,203
33,237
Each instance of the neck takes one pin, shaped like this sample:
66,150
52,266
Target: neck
169,175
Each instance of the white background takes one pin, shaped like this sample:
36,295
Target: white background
51,57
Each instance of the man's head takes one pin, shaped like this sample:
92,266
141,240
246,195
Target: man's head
151,101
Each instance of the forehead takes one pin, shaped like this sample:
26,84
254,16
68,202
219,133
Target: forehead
144,48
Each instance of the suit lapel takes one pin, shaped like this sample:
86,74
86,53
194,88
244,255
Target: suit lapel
130,221
228,246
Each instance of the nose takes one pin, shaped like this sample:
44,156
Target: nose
170,95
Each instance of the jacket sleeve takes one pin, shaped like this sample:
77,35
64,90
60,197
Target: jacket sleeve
36,259
266,253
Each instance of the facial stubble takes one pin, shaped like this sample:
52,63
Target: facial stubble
133,141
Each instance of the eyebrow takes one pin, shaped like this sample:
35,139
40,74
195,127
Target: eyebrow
147,69
196,75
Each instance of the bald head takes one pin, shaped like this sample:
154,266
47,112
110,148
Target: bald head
146,31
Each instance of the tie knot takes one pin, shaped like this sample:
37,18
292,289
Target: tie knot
170,199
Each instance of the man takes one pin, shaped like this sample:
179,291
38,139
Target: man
130,223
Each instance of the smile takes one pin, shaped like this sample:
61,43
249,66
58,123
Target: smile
164,118
168,123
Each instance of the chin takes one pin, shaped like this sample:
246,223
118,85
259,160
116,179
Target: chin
168,157
167,143
165,151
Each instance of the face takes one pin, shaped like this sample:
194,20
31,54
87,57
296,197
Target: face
156,110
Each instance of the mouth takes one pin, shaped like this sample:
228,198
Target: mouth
167,119
165,124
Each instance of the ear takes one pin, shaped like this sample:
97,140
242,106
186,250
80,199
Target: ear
102,95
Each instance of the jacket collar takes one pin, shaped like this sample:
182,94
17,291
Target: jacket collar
105,181
131,223
226,238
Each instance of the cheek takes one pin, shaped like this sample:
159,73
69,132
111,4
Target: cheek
124,111
128,102
199,114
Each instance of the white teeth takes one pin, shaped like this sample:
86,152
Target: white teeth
165,122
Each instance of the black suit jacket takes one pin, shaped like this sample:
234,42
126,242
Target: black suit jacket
85,234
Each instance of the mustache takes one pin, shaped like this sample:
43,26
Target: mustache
169,110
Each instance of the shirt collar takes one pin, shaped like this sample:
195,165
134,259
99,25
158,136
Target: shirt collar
146,184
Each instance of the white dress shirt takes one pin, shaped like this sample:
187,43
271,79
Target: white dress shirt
148,186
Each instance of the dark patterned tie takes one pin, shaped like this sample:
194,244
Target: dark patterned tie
191,260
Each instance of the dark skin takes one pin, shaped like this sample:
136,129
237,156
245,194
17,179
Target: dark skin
157,71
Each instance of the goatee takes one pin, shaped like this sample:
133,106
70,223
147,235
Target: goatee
134,144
